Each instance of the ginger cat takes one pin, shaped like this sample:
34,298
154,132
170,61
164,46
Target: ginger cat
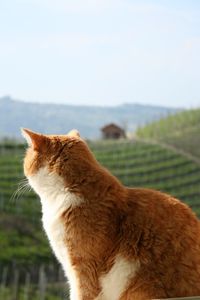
114,243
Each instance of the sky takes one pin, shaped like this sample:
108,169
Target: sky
101,52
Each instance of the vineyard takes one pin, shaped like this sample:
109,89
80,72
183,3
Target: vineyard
180,130
24,246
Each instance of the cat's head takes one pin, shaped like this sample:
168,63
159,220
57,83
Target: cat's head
55,160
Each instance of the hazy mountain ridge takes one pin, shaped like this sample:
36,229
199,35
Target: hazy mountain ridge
60,118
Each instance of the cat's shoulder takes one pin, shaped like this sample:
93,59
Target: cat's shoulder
151,203
150,196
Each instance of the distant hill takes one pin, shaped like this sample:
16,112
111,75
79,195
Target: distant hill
54,118
181,130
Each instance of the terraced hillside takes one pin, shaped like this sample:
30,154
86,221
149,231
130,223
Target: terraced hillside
151,165
181,130
134,163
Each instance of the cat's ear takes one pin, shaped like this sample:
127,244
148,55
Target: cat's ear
74,133
34,140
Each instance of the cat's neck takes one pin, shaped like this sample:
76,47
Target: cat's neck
95,184
57,194
54,196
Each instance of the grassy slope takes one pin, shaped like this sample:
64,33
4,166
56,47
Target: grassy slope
135,164
181,130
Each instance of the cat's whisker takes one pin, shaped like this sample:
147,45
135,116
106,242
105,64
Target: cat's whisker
23,187
19,192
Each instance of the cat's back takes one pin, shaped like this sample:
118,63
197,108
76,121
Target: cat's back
155,206
161,214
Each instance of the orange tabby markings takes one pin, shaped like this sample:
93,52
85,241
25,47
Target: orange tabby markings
114,242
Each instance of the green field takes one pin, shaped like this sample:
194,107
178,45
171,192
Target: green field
181,130
136,163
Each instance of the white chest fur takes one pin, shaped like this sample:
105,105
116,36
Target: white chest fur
56,199
115,282
56,234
